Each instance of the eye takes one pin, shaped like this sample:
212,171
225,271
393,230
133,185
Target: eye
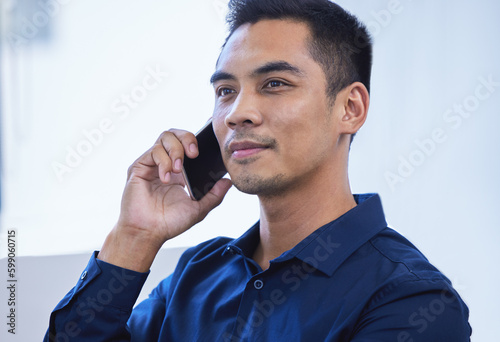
275,84
224,91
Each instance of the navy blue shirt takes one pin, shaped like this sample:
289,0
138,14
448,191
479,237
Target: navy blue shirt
353,279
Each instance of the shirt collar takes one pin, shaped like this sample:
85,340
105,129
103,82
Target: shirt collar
246,243
330,245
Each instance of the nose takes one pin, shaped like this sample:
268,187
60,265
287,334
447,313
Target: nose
244,112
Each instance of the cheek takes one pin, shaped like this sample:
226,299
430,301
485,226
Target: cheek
301,121
220,129
307,139
299,140
295,137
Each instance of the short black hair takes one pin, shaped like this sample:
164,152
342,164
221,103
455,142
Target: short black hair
340,43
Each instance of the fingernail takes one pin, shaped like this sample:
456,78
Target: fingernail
178,164
192,148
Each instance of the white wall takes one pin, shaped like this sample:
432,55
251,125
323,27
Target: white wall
73,81
429,58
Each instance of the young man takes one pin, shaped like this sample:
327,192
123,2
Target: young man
292,88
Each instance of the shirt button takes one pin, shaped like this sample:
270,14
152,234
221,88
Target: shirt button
258,284
84,275
229,250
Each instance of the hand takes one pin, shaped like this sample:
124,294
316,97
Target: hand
155,207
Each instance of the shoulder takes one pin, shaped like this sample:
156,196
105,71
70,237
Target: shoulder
391,267
407,262
412,295
404,269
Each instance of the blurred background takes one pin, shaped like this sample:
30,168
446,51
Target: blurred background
87,86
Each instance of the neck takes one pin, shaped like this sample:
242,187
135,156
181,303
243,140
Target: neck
287,219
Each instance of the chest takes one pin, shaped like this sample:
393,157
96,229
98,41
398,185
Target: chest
293,302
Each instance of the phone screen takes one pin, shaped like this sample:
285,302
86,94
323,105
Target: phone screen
204,171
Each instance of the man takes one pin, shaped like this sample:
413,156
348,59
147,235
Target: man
292,89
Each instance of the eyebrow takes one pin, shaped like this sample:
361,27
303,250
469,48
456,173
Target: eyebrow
276,66
264,69
221,76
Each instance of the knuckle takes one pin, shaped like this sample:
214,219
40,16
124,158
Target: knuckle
131,169
166,135
157,146
177,133
181,134
175,141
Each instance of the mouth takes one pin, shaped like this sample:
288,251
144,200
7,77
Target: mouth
245,149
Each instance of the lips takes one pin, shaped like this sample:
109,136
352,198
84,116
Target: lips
245,149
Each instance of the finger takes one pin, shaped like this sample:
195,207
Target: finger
162,160
146,166
169,152
178,178
156,162
188,141
215,196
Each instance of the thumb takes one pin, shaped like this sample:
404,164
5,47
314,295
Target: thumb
215,196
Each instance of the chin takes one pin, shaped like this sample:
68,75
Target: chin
257,185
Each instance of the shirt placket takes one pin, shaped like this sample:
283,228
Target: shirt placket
252,312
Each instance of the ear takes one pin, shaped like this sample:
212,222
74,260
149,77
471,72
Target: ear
356,101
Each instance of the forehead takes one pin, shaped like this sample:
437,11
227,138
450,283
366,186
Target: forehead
266,41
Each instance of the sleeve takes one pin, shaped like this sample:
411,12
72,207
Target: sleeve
147,318
99,306
415,311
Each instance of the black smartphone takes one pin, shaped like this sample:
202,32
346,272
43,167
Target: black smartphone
204,171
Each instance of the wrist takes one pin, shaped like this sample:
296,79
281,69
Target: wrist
130,248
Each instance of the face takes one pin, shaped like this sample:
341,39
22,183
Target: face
273,118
